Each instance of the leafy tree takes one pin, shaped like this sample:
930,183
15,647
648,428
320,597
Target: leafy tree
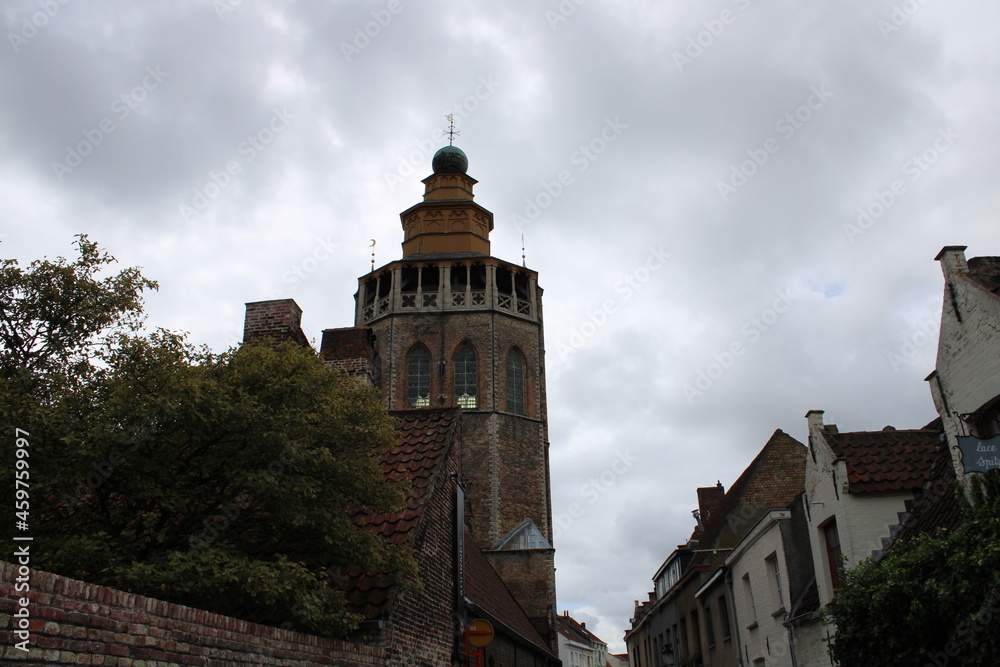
53,315
221,481
934,600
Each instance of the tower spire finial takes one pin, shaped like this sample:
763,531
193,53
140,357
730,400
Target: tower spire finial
451,129
373,254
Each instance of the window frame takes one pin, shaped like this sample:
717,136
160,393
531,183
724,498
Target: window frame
749,599
462,396
413,380
514,390
834,552
774,574
724,620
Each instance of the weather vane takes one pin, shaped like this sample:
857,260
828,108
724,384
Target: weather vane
373,254
451,129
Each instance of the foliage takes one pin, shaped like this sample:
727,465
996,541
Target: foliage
221,481
52,315
933,600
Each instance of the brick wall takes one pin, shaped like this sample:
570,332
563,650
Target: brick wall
422,628
280,319
503,451
530,577
72,622
505,456
352,351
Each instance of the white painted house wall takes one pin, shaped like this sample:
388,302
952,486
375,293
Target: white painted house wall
761,630
862,519
967,376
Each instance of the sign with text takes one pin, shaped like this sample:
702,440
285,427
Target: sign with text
979,455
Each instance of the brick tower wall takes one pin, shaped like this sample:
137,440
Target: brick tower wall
530,575
505,461
352,351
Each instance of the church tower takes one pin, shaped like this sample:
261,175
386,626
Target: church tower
455,326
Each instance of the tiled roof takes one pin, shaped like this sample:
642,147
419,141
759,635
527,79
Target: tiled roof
774,478
986,272
424,439
886,460
937,506
489,594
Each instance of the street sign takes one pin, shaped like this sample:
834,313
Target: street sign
480,633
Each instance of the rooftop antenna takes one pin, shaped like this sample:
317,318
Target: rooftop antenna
451,129
373,254
524,262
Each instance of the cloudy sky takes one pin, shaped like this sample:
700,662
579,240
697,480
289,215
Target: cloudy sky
733,205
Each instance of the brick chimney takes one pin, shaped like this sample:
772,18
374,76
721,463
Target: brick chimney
280,319
351,350
710,502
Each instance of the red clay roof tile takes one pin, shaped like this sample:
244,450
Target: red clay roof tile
887,460
424,439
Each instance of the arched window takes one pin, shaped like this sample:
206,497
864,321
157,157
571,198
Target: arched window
418,378
465,376
515,382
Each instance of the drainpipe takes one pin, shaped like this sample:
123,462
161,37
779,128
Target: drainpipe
733,618
791,643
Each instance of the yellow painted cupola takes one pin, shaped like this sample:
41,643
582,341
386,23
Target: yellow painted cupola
447,220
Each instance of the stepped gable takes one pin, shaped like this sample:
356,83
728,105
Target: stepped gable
425,439
886,460
491,598
774,478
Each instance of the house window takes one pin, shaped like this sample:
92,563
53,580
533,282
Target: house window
465,377
709,627
724,617
775,572
833,555
695,633
748,597
515,382
418,378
